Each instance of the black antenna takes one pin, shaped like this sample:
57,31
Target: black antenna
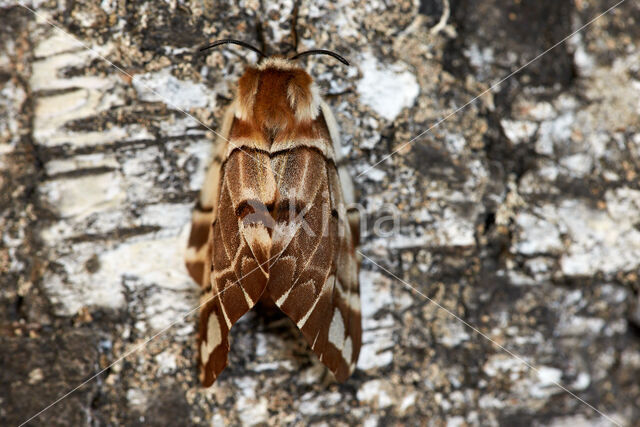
232,41
321,52
294,25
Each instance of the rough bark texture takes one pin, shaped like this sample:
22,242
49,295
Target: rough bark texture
520,213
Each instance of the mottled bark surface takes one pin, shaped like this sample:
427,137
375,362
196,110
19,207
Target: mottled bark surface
520,213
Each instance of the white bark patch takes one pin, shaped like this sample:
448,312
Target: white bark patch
162,86
84,196
518,131
386,89
377,393
377,333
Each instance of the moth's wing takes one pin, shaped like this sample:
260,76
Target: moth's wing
315,280
347,262
198,255
237,279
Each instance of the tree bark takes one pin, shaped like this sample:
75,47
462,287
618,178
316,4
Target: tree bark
518,212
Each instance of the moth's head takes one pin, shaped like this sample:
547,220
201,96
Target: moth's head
277,92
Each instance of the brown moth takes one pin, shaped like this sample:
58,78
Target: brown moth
272,223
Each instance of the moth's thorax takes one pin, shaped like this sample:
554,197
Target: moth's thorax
277,96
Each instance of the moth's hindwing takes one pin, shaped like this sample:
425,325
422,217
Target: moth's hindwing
277,226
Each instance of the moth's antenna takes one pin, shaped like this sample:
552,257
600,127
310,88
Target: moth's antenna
321,52
260,35
294,25
232,41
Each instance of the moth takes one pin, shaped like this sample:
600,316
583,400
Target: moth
272,223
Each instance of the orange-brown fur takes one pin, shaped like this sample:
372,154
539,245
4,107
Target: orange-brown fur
273,105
